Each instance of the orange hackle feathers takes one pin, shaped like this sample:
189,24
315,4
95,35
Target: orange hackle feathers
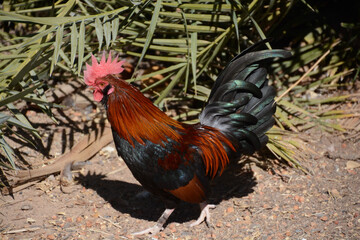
135,118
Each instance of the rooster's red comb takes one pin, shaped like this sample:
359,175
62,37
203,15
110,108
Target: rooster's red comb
98,70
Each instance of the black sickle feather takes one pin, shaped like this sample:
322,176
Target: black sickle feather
244,61
241,104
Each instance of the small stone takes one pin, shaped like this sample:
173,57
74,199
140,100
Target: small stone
89,224
324,218
30,113
219,224
53,222
51,178
51,237
296,207
229,210
300,199
76,119
266,206
171,226
79,219
26,207
30,220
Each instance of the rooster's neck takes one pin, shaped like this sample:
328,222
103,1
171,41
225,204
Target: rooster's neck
135,118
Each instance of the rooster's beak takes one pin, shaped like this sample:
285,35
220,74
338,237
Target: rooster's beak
90,89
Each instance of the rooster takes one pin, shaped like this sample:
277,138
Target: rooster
177,161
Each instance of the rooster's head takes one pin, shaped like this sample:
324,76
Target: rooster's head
94,75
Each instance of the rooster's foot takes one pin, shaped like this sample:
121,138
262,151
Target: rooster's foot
158,226
204,215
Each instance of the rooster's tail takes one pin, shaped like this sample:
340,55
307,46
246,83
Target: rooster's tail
241,103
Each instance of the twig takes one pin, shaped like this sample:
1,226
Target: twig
22,230
303,76
99,231
26,185
7,203
351,136
111,222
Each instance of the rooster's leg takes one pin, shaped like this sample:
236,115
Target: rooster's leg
159,224
204,214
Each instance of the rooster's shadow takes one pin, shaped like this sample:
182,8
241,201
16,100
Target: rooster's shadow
125,197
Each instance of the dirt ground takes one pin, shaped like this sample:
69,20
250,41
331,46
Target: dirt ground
106,202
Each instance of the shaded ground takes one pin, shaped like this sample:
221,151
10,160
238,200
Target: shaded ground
106,202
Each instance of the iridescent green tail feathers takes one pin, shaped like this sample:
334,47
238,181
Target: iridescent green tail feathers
241,103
